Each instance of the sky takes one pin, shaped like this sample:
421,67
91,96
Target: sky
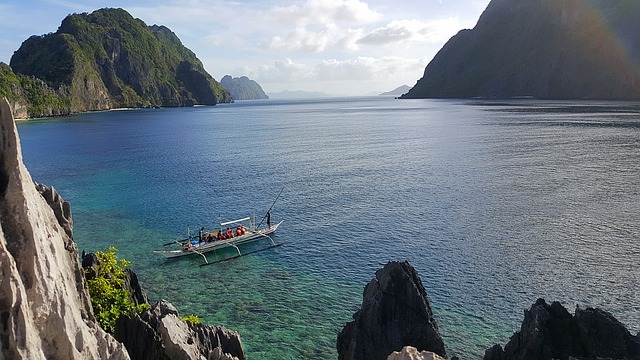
338,47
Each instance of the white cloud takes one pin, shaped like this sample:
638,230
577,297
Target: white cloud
326,11
413,31
328,37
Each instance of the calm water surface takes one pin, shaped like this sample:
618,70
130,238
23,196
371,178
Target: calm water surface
495,204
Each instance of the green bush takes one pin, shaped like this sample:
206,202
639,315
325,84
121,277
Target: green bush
109,298
191,319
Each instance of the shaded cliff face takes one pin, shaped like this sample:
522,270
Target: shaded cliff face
547,49
44,303
243,88
108,59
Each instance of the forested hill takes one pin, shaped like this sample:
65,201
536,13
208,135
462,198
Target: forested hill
547,49
108,59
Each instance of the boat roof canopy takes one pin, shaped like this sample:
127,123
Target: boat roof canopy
235,221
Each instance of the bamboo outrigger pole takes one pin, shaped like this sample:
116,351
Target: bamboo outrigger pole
274,202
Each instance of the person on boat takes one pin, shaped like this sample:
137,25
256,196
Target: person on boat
269,218
229,233
200,234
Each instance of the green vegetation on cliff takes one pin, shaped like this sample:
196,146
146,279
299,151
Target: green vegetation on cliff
109,298
34,94
108,59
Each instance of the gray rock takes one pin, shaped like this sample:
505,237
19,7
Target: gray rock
395,313
159,333
551,332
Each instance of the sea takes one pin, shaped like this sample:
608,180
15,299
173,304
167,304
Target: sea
495,203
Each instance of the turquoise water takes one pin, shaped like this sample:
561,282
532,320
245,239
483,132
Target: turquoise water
494,204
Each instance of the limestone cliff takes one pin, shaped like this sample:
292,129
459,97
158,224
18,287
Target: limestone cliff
545,49
107,59
44,303
395,313
551,332
243,88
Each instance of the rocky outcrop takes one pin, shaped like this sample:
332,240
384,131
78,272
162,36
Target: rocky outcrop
395,313
159,334
546,49
411,353
551,332
107,59
243,88
44,302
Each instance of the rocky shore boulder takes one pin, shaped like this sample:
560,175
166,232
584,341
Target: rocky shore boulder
160,334
44,302
551,332
395,313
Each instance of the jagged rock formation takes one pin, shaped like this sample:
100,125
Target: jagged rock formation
411,353
546,49
160,334
551,332
44,302
395,313
243,88
108,59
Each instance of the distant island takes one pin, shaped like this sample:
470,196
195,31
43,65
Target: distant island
243,88
544,49
103,60
299,94
403,89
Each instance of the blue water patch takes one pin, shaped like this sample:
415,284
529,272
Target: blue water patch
494,204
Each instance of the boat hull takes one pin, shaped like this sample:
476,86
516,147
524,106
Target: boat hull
205,247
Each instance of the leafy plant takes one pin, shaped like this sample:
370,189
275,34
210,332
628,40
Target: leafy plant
109,298
191,319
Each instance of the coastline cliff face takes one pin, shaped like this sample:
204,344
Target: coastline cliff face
108,59
45,307
545,49
44,302
243,88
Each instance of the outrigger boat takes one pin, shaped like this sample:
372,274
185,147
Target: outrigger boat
219,239
236,233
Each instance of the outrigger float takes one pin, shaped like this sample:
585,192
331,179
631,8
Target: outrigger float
237,232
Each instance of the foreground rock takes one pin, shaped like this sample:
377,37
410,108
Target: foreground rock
159,333
44,302
395,313
551,332
411,353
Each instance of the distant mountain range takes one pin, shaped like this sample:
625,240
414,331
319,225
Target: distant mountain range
298,94
104,60
546,49
243,88
397,91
